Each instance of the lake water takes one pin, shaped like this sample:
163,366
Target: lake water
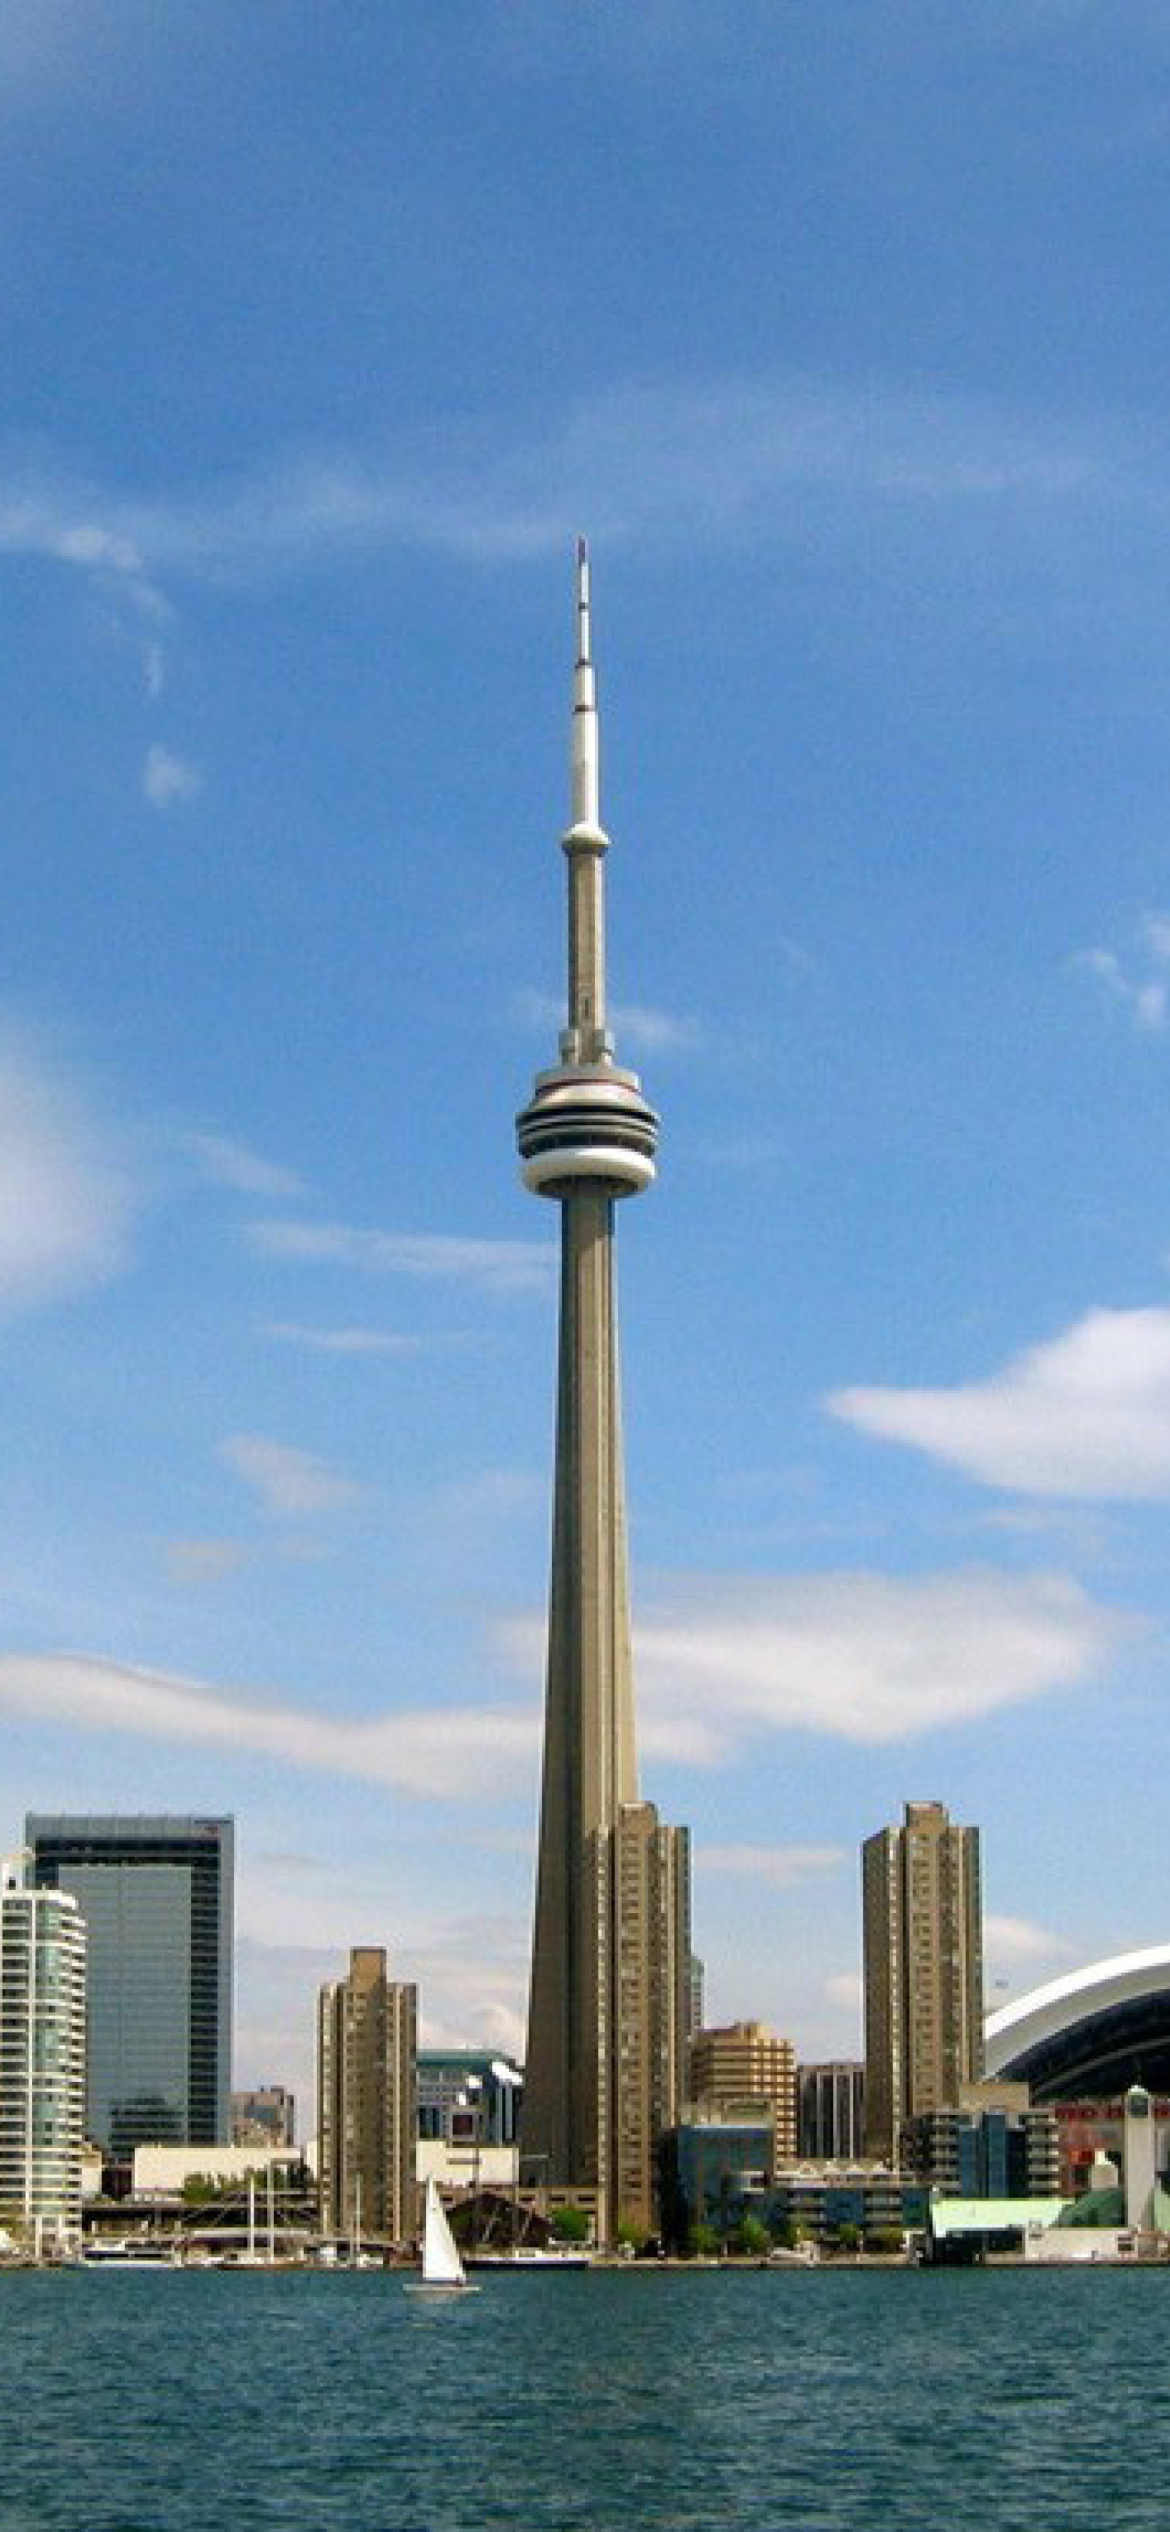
899,2400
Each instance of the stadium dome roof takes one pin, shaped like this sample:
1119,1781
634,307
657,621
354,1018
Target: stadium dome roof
1094,2032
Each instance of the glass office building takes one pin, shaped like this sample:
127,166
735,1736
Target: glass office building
156,1895
42,2059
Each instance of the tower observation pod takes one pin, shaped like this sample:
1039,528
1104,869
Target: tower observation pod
587,1118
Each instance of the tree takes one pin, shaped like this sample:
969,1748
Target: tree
886,2240
631,2236
702,2241
569,2224
788,2234
750,2238
848,2237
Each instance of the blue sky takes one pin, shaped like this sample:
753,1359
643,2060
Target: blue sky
842,330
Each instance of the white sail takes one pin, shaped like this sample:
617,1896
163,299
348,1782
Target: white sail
441,2264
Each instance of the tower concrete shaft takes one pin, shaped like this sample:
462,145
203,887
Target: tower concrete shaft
586,1138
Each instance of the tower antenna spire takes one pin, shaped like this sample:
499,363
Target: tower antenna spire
586,793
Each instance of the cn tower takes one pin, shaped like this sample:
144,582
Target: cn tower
609,2001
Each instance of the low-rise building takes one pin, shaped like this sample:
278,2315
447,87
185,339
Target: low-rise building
994,2145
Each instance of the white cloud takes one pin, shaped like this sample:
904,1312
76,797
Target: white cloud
66,1199
846,1987
1085,1415
496,1266
228,1163
640,1027
1146,996
167,777
203,1560
351,1340
864,1657
1020,1939
774,452
452,1754
779,1865
288,1481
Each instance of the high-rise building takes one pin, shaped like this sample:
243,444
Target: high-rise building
609,2008
265,2116
157,1898
366,2113
830,2111
42,2058
468,2096
923,1963
742,2062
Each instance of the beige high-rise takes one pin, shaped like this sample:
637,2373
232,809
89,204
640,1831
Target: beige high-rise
609,2002
366,2058
743,2062
923,1956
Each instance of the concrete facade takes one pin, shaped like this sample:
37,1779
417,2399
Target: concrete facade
366,2111
923,1967
742,2061
609,2006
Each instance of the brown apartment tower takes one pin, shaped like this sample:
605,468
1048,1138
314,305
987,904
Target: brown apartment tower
923,1948
609,2007
366,2118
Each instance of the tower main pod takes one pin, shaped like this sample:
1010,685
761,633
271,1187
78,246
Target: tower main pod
609,2002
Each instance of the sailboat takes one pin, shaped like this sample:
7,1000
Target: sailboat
442,2268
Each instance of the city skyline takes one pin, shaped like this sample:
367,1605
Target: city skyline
315,371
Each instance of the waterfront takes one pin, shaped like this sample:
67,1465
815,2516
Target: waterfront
841,2402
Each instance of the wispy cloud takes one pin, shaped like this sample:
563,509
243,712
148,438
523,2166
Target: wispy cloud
451,1754
167,778
495,1266
288,1482
779,1865
776,452
200,1561
1020,1939
354,1340
228,1163
1086,1415
66,1193
637,1026
1141,986
863,1657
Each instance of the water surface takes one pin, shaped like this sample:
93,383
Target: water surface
849,2401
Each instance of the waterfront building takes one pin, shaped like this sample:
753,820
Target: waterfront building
156,1893
160,2172
713,2171
266,2116
1000,2149
468,2097
609,2005
830,2111
366,2114
743,2061
923,1969
865,2199
42,2059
